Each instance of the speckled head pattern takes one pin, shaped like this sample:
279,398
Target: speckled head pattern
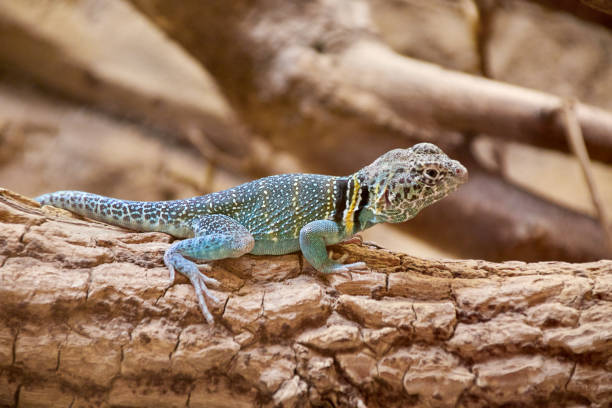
404,181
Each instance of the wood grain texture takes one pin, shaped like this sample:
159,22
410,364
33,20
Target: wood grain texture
87,318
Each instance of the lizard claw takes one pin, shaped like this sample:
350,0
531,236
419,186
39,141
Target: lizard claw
346,269
212,297
198,280
351,267
170,266
208,280
201,290
358,267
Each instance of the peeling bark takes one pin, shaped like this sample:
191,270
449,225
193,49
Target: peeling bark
87,317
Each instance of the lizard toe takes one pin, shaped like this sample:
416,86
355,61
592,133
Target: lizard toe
357,267
208,280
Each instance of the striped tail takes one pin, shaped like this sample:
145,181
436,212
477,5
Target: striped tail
134,215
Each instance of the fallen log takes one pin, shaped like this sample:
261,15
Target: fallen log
88,317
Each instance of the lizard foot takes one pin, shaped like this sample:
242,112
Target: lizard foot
356,267
207,279
346,269
176,261
359,267
199,281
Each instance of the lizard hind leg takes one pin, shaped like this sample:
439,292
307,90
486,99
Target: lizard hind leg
216,237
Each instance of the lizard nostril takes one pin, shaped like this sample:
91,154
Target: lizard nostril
462,173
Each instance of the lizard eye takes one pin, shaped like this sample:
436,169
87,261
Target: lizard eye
431,173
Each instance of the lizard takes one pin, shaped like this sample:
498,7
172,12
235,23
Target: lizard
280,214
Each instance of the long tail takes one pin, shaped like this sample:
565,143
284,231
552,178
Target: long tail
135,215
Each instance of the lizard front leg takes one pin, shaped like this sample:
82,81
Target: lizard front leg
314,238
217,237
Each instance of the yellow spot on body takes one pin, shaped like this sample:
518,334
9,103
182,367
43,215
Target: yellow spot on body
330,198
348,219
296,208
376,196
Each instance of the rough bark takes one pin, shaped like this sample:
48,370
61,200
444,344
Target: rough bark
87,318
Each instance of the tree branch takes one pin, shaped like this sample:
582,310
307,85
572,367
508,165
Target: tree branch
86,316
576,141
490,218
430,95
338,61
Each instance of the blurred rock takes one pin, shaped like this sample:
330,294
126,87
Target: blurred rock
63,146
438,31
109,55
549,50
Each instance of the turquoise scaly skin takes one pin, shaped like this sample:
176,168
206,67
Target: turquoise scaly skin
280,214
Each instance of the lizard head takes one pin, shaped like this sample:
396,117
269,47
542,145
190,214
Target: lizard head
402,182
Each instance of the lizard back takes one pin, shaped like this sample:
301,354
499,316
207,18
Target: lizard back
272,208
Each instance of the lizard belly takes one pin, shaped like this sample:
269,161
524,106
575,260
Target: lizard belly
275,247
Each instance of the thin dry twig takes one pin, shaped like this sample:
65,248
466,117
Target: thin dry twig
575,140
604,6
207,149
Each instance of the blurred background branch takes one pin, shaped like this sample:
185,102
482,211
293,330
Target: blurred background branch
575,139
160,100
601,5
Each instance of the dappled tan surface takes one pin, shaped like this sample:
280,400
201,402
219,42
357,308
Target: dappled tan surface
408,332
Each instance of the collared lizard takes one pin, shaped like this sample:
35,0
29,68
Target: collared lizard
280,214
